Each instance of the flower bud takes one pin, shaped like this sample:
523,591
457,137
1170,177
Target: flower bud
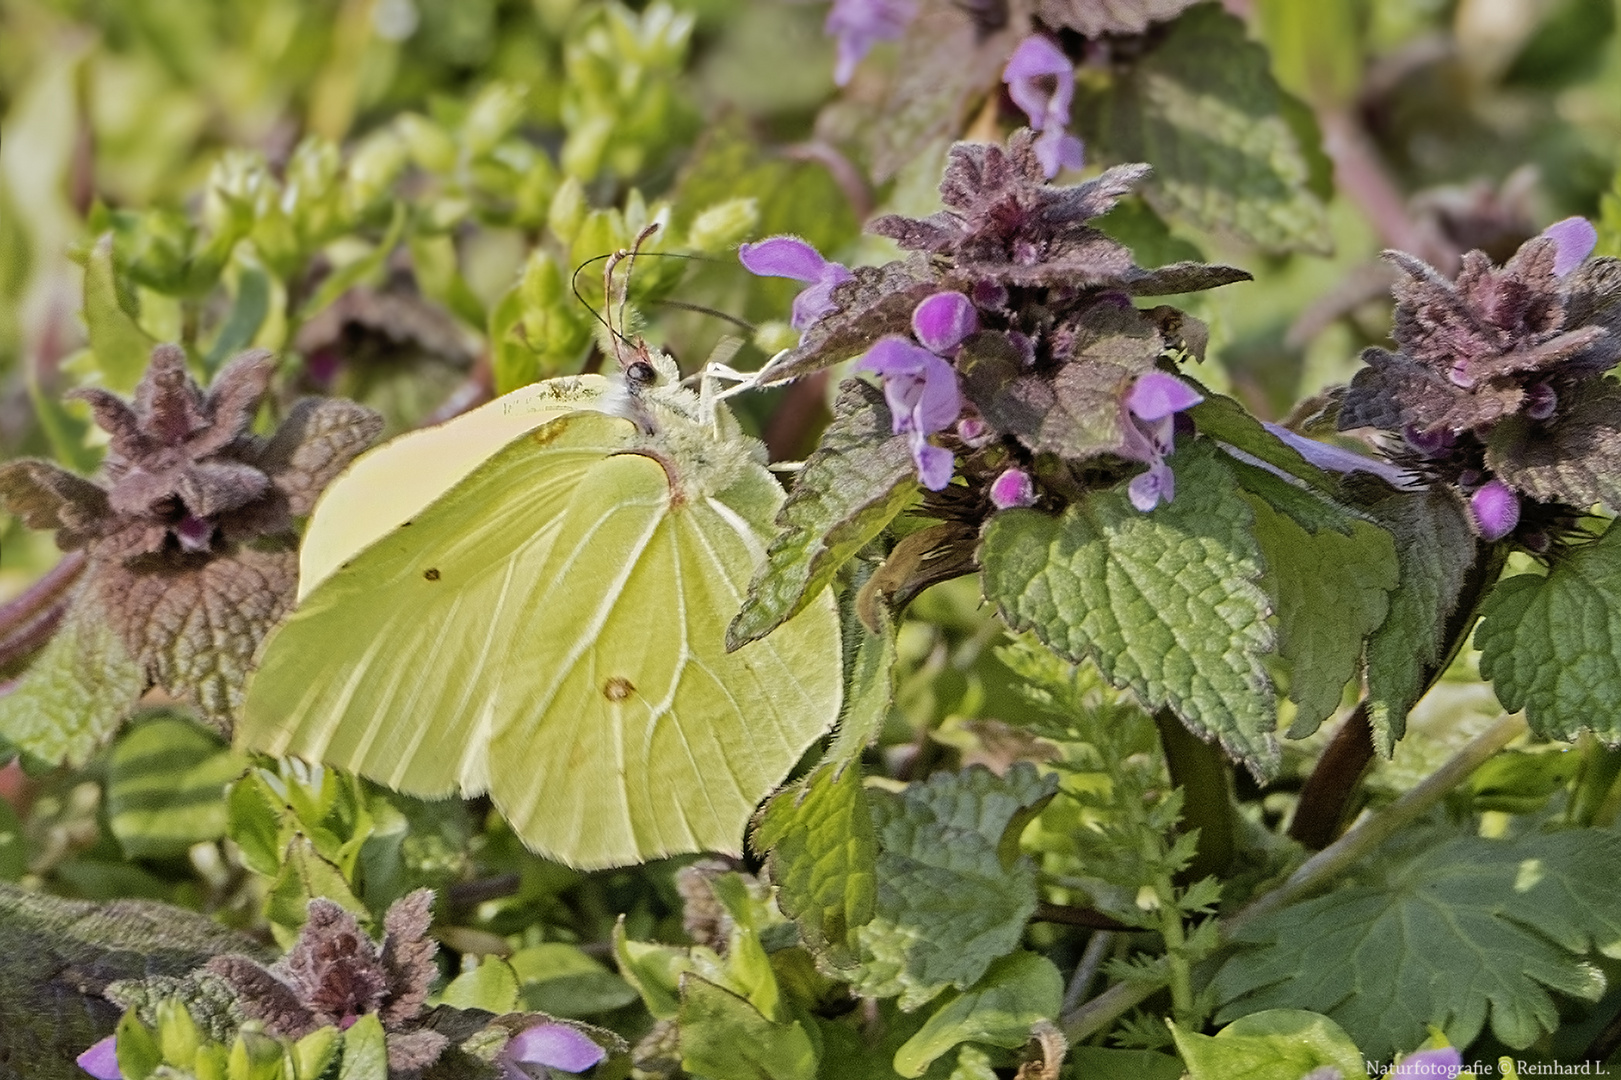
1496,510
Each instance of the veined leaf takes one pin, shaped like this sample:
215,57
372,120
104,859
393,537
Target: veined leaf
1280,1044
1447,936
1016,993
166,784
73,696
723,1037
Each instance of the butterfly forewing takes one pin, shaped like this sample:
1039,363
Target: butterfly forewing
391,667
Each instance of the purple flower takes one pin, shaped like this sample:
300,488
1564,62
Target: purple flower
974,432
1041,81
1496,509
1151,406
1013,488
858,25
921,390
1336,459
101,1060
943,320
1575,239
791,257
1443,1064
553,1046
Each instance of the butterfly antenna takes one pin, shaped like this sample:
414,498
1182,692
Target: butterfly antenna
574,284
630,267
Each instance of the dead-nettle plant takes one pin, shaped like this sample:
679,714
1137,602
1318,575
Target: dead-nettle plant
191,551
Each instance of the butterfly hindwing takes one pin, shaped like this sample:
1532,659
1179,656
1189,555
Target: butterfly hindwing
638,735
392,665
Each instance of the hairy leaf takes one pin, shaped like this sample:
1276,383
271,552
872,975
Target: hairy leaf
878,300
1552,645
820,847
74,695
1203,107
1165,602
953,892
1445,937
1435,548
1576,459
1016,992
858,480
1319,558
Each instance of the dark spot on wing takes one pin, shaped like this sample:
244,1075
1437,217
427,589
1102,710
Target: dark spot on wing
618,688
431,573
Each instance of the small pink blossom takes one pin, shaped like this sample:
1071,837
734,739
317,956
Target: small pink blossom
921,390
101,1060
1012,489
858,25
1041,81
1574,240
552,1046
1442,1064
942,321
1150,408
1496,509
791,257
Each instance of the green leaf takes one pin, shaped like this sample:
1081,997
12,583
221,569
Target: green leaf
365,1053
137,1048
869,678
1441,936
953,892
166,782
74,695
314,1052
1225,420
1165,602
858,480
723,1037
303,876
1203,107
1086,1062
654,970
1281,1044
1435,548
820,848
1552,645
121,347
492,986
1015,993
560,980
1133,223
248,311
254,824
1319,558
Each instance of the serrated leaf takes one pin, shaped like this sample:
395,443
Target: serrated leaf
877,300
1203,107
1552,645
1017,992
305,875
1165,602
1435,548
723,1037
869,677
1319,558
166,782
1075,411
821,848
1227,421
120,346
1447,936
74,695
953,893
1280,1044
860,478
1576,459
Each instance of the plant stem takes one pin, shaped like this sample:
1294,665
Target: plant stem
1081,1024
1335,859
1176,953
1205,777
1087,969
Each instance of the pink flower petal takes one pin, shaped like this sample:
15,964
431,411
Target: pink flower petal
556,1046
101,1060
1496,509
1156,395
1035,59
782,256
1012,489
1575,239
934,464
943,320
1442,1064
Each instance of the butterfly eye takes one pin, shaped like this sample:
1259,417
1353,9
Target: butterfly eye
641,374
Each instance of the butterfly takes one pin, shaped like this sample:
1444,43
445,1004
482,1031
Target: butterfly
531,600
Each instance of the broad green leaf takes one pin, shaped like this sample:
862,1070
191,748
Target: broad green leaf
1435,547
166,782
820,847
1316,48
74,695
1441,936
138,1051
1015,993
654,970
1552,645
1331,561
365,1052
953,892
560,980
121,347
869,677
254,824
1226,421
492,986
413,844
1133,223
314,1052
1102,1063
723,1037
860,478
1165,602
507,646
1203,107
1281,1044
748,968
